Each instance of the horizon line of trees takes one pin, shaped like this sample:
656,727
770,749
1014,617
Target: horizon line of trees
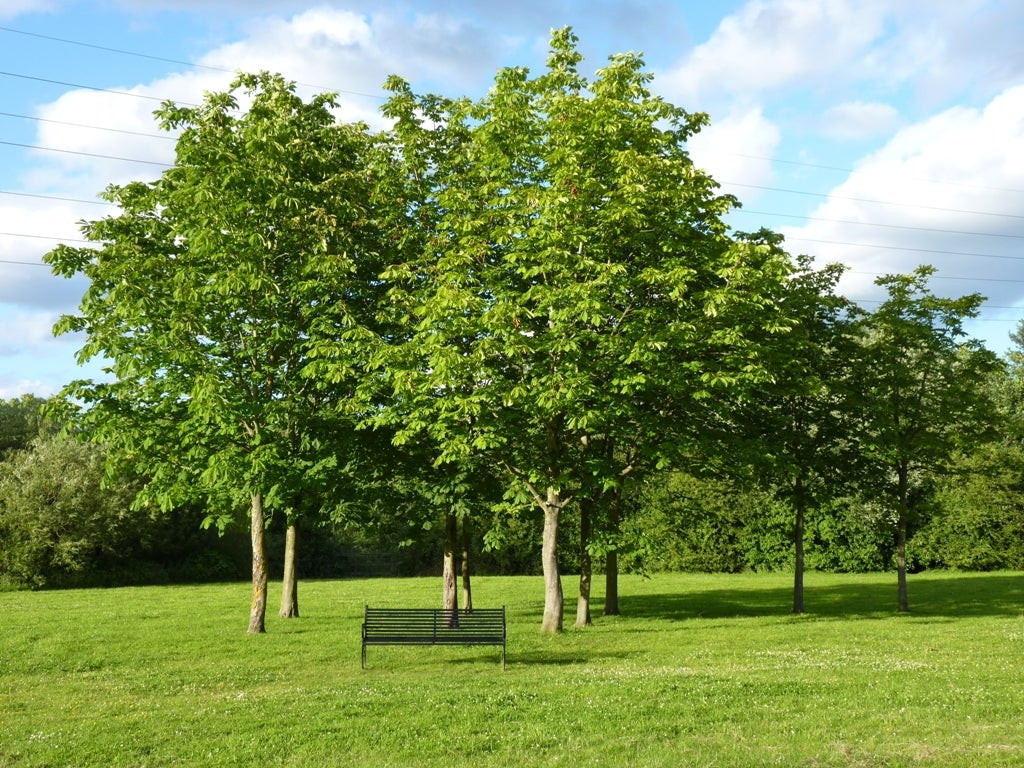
530,301
60,526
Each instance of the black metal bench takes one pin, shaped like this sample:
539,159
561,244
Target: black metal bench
429,626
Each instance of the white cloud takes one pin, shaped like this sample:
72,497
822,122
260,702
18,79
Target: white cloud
27,282
22,331
12,387
11,8
737,151
769,44
860,120
956,184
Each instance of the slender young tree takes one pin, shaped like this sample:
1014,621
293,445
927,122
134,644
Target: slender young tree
207,293
924,393
794,433
572,280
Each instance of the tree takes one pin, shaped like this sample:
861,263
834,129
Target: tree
923,393
795,429
56,522
208,291
574,282
21,421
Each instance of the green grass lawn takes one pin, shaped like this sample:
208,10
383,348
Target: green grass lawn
699,671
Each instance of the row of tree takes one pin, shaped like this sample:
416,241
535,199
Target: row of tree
60,526
537,287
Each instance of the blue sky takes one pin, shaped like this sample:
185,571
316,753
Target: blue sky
879,133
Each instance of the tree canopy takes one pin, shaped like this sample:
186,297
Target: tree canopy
207,291
577,282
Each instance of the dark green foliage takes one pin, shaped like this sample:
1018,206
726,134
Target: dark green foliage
975,518
684,523
689,525
849,535
60,526
22,419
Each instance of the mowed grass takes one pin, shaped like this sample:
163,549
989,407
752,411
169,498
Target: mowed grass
699,671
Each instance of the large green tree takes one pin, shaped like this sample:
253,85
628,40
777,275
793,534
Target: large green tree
576,282
207,291
924,394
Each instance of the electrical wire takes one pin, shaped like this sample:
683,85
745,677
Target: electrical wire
192,64
96,88
909,249
54,197
85,154
885,226
165,136
855,172
875,202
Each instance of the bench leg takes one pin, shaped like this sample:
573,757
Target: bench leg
364,656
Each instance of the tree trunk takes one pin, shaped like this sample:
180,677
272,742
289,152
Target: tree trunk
258,612
290,585
611,561
451,546
586,565
467,589
901,541
798,540
553,602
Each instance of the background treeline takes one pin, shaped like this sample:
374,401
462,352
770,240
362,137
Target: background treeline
59,525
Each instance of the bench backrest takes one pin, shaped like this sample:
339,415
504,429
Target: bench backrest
412,625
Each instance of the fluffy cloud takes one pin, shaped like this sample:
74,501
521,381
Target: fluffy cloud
11,8
948,191
25,330
767,45
737,151
860,120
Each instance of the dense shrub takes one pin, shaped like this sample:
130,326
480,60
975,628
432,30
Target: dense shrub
975,517
60,526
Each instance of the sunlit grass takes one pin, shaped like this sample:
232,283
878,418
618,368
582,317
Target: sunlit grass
700,670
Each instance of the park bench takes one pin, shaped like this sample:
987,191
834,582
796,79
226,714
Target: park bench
429,626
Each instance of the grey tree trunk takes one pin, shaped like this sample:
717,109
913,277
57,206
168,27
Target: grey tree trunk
611,562
800,503
450,600
467,588
553,600
290,581
901,540
586,565
258,611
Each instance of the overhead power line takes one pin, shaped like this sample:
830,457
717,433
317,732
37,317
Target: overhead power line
54,197
886,226
192,64
855,172
81,44
942,277
912,250
85,154
165,136
214,68
95,88
875,202
762,213
45,237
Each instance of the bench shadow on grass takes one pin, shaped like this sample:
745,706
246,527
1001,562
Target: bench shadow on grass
940,596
